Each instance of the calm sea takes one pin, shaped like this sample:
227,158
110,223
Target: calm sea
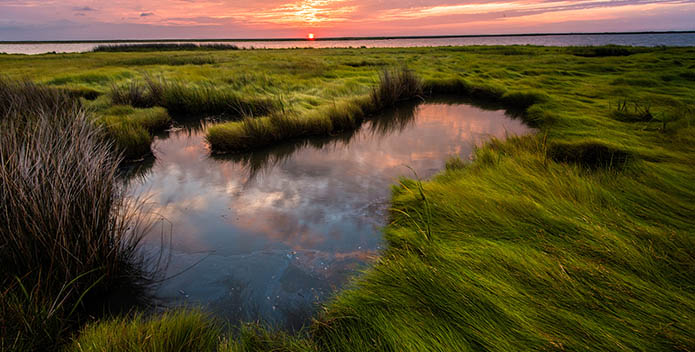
650,39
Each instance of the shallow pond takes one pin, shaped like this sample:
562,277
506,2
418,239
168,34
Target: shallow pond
268,235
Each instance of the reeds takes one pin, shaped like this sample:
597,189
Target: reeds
396,85
67,233
23,97
134,94
163,47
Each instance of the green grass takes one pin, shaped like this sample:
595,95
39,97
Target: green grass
577,238
172,331
144,47
394,86
131,129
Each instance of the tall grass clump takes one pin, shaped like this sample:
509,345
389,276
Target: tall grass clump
134,93
67,233
396,85
28,98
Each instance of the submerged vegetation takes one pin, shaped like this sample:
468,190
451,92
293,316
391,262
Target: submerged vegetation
577,238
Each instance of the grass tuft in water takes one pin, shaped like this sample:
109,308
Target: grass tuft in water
396,85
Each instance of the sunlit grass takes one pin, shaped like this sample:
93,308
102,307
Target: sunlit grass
172,331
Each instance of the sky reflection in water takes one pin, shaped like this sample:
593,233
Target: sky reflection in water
267,235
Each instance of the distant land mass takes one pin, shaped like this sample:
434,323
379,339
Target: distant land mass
338,38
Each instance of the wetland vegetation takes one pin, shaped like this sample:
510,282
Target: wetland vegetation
579,237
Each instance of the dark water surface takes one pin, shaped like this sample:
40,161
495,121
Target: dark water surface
268,235
637,39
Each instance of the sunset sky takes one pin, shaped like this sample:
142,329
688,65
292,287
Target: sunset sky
120,19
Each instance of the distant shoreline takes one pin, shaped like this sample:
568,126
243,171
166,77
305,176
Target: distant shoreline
334,38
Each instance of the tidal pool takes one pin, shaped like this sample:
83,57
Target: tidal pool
271,234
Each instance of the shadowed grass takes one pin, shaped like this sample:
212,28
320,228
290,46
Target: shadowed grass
590,154
605,51
67,234
632,112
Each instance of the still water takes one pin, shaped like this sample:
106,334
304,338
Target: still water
650,39
268,235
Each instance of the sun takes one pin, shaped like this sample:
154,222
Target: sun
310,36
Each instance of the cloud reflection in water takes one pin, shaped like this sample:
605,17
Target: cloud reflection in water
279,229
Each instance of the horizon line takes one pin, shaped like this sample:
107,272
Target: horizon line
68,41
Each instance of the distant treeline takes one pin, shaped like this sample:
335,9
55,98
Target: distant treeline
163,47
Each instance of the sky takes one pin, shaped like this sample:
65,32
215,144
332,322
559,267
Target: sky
191,19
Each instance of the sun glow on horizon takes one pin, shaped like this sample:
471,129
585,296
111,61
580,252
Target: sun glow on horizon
310,36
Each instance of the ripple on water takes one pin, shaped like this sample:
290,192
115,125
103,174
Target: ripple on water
268,235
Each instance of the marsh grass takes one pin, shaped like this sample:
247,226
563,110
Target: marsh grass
180,98
24,97
170,61
255,337
541,242
67,233
162,47
396,85
134,93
